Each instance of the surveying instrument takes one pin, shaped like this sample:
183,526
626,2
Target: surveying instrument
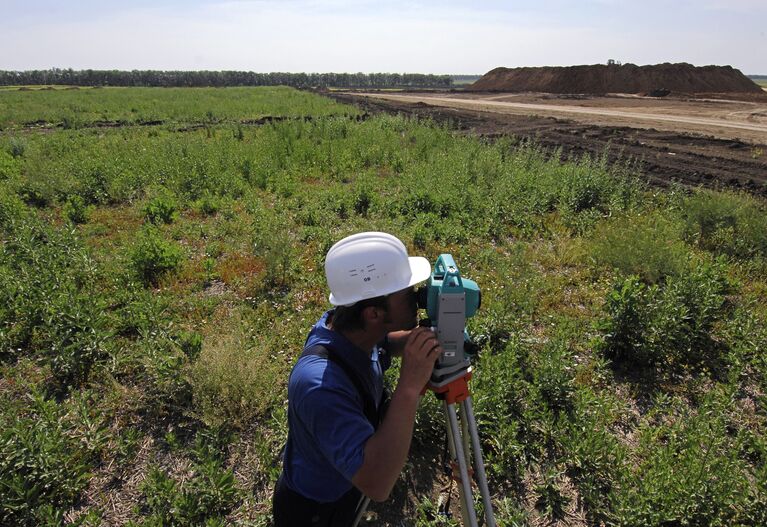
449,300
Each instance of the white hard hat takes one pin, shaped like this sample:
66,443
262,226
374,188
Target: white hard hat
371,264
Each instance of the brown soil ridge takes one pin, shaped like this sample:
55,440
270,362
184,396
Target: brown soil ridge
613,78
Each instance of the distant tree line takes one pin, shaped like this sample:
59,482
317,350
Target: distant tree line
465,77
223,78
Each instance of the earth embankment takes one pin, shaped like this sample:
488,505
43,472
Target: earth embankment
626,78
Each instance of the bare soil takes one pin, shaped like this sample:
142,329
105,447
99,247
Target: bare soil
711,142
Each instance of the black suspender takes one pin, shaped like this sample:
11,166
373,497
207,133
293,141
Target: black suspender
369,407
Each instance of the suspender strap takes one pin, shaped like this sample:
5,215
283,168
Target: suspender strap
368,404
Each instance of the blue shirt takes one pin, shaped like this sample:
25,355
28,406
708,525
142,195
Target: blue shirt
327,429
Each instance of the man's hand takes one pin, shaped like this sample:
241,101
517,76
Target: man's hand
420,352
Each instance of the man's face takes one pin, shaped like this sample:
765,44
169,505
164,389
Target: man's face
403,309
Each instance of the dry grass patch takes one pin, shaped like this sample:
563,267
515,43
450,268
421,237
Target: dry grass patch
235,380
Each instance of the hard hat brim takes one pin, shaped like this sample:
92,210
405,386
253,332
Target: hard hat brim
420,269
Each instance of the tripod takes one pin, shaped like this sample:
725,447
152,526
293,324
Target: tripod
463,441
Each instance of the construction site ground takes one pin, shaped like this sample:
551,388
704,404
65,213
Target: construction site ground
714,141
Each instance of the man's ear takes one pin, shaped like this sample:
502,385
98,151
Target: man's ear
373,315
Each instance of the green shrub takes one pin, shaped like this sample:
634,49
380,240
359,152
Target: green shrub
746,338
152,256
514,296
50,309
208,204
95,185
76,210
164,375
35,194
623,331
586,186
43,467
550,501
9,166
554,376
190,343
666,324
595,458
205,495
689,473
203,499
648,245
429,514
138,311
510,512
75,330
162,208
12,209
727,223
504,410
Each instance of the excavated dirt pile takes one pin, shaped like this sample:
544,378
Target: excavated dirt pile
625,78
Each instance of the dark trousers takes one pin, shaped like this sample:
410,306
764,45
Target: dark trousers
291,509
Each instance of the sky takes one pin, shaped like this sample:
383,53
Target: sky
448,36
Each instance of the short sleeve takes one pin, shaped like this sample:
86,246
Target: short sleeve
333,416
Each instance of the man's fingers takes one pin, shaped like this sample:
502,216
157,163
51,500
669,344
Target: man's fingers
421,336
429,342
431,347
423,340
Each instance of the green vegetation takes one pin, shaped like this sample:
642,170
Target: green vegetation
78,108
157,283
463,80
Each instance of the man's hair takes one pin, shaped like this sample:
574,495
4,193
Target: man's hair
349,318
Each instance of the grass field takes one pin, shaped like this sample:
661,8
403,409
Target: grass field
83,107
157,283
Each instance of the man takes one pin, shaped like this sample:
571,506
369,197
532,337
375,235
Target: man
340,446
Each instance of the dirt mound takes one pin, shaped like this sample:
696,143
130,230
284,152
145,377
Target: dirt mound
625,78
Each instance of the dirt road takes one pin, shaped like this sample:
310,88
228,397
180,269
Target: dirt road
679,154
745,121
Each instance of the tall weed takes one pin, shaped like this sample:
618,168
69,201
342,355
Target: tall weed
233,381
152,256
273,243
647,244
726,223
43,467
689,472
667,324
50,307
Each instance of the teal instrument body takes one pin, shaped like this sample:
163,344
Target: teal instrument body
447,279
449,299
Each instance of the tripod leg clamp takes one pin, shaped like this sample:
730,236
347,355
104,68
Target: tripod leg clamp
454,392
